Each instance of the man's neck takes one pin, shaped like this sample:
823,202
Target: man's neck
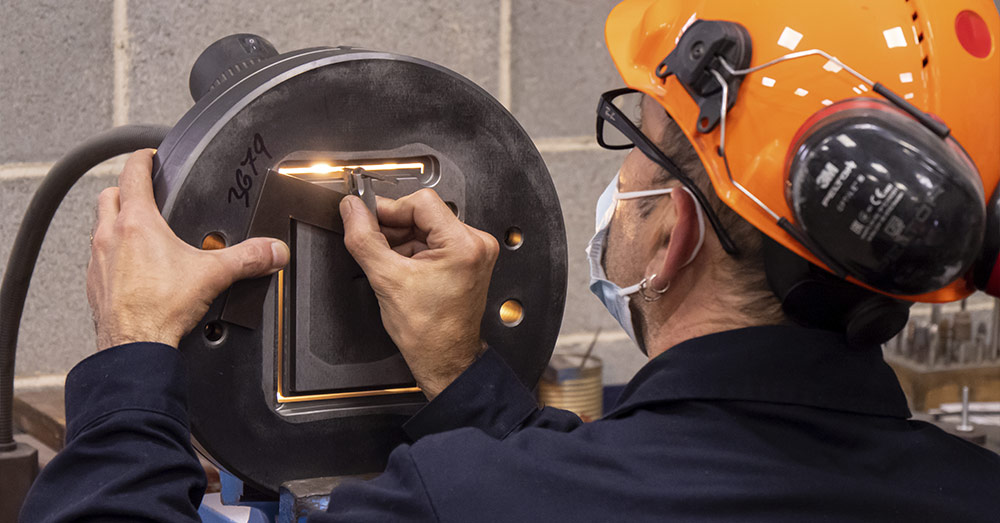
698,315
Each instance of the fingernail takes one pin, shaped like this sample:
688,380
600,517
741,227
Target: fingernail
357,204
279,253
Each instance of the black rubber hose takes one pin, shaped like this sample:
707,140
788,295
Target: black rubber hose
21,264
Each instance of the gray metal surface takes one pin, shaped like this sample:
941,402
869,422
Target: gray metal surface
349,105
951,336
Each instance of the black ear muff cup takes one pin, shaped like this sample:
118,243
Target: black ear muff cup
885,198
814,298
875,320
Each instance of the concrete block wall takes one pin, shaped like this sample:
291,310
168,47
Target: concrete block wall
71,69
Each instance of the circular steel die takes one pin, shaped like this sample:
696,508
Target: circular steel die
345,105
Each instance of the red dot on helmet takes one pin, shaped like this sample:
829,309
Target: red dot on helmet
973,33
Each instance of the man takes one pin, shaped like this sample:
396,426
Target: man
739,414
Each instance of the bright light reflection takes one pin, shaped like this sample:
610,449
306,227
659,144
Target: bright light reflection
908,96
827,102
325,168
846,140
767,81
694,16
801,92
879,167
905,77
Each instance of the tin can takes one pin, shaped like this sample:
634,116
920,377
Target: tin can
566,384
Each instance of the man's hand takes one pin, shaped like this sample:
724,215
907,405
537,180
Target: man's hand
430,273
143,282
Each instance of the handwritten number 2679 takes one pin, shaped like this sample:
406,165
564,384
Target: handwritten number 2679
241,189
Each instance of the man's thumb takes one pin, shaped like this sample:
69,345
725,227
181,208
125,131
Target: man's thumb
252,258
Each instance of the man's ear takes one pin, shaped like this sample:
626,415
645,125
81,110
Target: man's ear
682,243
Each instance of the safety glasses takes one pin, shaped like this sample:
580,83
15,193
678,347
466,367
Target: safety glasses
618,120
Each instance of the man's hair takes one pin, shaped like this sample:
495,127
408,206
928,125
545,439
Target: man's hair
751,294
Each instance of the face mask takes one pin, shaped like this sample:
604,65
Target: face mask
615,298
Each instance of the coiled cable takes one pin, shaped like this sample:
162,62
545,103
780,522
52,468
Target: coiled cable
24,254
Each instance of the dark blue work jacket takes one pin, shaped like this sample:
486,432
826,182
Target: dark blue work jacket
772,423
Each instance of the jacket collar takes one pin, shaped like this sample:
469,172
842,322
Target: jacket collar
775,364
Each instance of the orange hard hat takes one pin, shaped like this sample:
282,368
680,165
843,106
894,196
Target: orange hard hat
938,56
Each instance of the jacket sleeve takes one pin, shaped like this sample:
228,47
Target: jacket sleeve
128,455
398,495
488,396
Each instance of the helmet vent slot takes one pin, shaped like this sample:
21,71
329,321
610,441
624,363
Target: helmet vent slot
918,31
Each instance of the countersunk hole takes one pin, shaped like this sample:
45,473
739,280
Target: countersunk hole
926,59
920,37
453,207
914,15
511,313
215,332
703,123
213,241
513,239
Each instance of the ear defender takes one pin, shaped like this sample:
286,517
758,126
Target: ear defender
878,189
897,207
815,298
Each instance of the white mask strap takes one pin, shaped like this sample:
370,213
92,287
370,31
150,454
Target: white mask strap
632,289
701,228
658,192
641,194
